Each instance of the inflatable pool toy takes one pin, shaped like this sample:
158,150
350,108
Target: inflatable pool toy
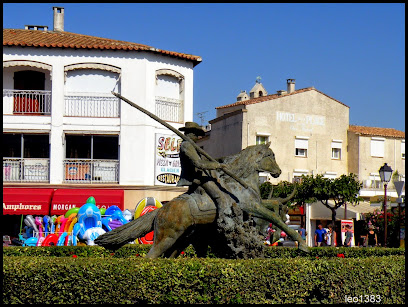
63,221
147,201
46,225
52,223
50,240
113,217
127,215
38,222
31,241
91,200
71,226
30,222
148,238
102,211
70,211
58,224
70,219
63,239
89,225
40,241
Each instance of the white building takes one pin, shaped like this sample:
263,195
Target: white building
62,127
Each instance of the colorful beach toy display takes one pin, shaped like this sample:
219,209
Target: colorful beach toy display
144,206
82,225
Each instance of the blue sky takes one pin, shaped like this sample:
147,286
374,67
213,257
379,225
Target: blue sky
354,53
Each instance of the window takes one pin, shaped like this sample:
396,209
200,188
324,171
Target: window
301,146
297,175
262,139
336,149
403,149
90,81
26,145
330,175
92,147
377,147
169,93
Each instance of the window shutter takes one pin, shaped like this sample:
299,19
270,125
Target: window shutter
377,147
301,143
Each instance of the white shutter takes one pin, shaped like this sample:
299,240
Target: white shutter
336,144
167,86
301,143
403,148
377,147
90,81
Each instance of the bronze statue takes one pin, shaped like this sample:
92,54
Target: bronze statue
217,209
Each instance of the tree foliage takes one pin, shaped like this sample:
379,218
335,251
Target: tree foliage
332,193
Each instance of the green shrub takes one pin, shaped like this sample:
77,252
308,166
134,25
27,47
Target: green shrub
131,250
97,280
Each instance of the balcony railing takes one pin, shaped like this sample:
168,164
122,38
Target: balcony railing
26,102
169,109
26,170
91,171
91,105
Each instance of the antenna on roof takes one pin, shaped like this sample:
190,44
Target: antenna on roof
201,116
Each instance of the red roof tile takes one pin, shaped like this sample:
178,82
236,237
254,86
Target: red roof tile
274,96
52,39
389,132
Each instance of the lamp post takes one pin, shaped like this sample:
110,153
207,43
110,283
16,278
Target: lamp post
385,175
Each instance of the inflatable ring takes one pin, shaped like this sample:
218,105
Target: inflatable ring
50,240
147,201
70,211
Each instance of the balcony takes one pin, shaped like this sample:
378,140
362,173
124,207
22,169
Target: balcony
91,171
26,102
26,170
91,105
169,109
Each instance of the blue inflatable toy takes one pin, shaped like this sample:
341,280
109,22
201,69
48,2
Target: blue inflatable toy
113,213
89,225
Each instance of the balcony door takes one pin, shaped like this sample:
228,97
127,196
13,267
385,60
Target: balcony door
26,99
29,80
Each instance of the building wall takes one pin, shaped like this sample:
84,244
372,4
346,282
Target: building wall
370,165
136,130
308,114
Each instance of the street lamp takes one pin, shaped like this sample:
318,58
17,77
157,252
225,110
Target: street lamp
385,175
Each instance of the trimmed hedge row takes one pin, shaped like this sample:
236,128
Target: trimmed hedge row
97,280
130,250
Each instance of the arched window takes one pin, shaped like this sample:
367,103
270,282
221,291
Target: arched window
169,95
88,89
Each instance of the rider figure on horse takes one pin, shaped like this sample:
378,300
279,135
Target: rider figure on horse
195,169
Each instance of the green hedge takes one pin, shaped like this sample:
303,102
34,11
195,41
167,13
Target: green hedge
130,250
97,280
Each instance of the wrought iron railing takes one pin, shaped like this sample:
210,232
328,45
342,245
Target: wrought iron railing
91,105
26,102
91,171
169,109
26,170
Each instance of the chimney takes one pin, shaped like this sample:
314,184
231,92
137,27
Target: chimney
291,85
58,19
281,92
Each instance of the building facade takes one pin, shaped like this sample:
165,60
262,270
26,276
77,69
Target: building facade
306,128
64,129
310,134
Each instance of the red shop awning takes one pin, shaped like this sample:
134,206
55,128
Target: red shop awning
65,199
27,201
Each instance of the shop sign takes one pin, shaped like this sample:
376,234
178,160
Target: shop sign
167,159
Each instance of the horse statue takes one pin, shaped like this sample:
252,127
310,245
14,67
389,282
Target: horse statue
191,218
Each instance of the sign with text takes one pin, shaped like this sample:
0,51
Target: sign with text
347,223
167,159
